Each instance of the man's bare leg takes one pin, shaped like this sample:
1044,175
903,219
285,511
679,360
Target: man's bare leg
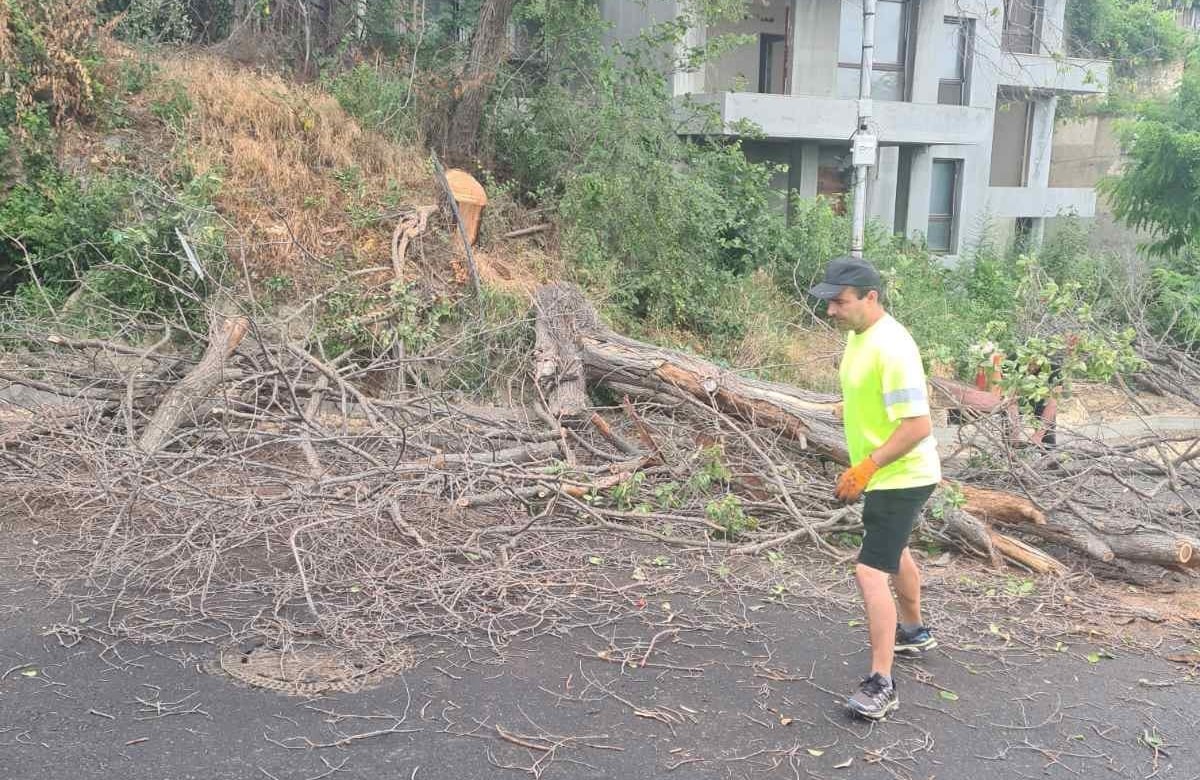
881,616
908,590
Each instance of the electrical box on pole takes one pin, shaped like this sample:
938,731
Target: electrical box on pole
863,148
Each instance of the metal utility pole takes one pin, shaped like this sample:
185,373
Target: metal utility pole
864,143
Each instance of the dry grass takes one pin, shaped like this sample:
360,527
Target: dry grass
780,344
64,30
301,180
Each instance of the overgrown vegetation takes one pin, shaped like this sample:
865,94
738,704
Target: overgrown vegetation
1130,33
109,247
679,235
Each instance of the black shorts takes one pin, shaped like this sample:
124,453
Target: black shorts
888,518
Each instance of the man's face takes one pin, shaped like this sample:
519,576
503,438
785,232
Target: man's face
850,312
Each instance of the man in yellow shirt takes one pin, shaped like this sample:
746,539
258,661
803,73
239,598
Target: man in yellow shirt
885,411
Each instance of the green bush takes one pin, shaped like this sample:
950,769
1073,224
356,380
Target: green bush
1174,295
659,226
59,222
1131,33
378,96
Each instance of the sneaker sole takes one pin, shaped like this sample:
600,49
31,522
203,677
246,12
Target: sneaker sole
876,716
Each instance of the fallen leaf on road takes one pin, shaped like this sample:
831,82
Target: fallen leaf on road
815,753
845,764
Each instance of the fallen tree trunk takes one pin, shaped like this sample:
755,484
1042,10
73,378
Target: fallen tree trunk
224,336
574,347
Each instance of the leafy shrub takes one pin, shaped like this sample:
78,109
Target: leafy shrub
154,21
1131,33
378,97
660,226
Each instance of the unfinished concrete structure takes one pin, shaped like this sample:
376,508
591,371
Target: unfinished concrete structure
965,94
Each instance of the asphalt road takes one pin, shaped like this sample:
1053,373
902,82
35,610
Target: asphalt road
758,696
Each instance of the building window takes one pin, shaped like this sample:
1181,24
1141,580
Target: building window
943,206
1011,132
889,70
771,63
1022,26
834,172
953,60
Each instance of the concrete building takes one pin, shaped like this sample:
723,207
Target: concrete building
965,93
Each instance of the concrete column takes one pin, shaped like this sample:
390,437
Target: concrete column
1052,34
925,42
1041,140
1041,143
803,173
881,189
919,181
689,82
815,47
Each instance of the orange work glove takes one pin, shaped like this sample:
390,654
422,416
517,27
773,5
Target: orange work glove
854,480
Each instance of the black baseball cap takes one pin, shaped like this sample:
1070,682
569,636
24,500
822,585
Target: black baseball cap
846,272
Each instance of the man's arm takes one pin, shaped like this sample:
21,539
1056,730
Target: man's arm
854,480
911,432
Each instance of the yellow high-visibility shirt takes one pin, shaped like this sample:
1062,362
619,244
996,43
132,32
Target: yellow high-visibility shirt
883,382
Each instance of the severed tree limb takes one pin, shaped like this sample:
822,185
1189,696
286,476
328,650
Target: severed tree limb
310,413
1026,555
975,535
1000,506
224,336
408,228
607,432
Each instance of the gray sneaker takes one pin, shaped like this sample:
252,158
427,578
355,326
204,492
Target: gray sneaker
875,699
914,643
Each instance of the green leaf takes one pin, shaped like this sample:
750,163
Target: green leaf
29,672
948,695
1093,658
595,560
815,752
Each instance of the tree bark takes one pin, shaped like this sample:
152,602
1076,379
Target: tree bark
488,44
1003,507
570,335
224,336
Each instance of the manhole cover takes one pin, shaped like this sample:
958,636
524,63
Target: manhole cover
311,669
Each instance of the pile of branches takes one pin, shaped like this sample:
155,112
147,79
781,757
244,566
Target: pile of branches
257,490
263,489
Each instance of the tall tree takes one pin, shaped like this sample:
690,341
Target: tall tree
489,43
1159,189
